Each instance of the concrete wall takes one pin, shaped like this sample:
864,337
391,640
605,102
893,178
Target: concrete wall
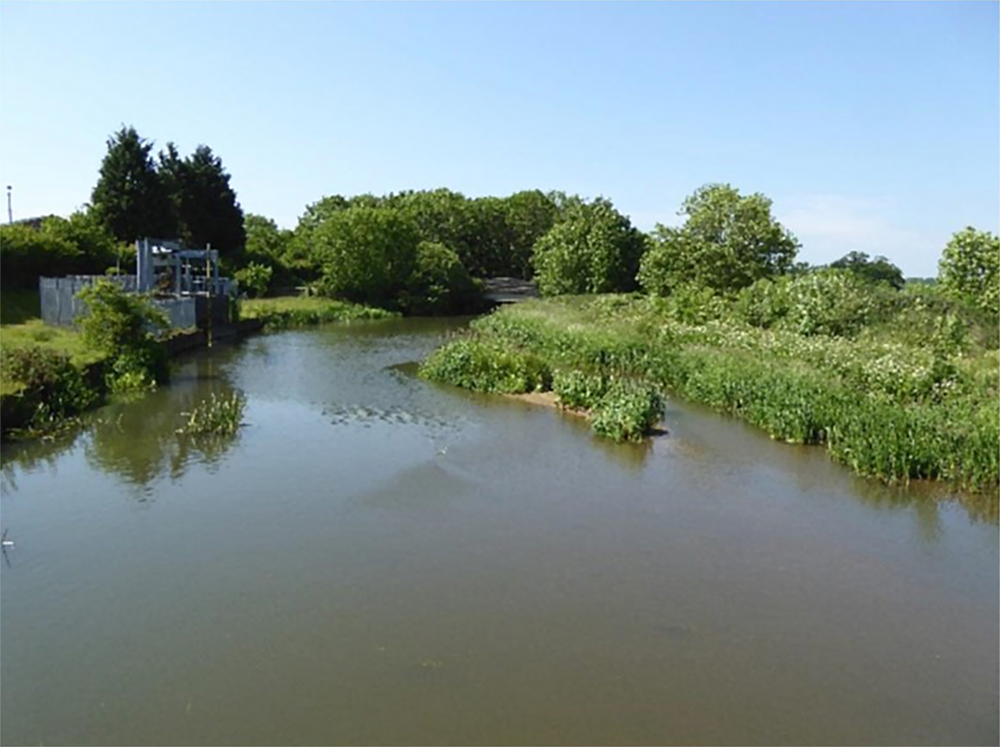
182,312
58,296
60,305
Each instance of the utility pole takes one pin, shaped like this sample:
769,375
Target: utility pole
10,213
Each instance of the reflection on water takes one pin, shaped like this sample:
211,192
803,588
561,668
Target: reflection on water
141,444
138,439
377,560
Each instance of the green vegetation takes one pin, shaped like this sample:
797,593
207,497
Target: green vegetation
878,270
79,245
970,269
215,415
578,390
627,411
36,332
19,306
886,408
727,242
124,328
46,389
301,311
487,367
188,198
254,279
439,283
50,374
594,249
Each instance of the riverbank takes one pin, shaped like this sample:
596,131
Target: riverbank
888,410
74,374
302,311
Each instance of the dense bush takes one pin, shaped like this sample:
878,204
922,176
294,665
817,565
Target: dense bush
970,269
887,409
367,255
829,302
440,284
487,367
78,245
254,279
27,254
578,390
50,388
123,327
764,303
728,241
627,411
594,249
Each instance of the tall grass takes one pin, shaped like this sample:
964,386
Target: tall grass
486,367
220,415
886,409
301,311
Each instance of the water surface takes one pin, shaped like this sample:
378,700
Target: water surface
377,560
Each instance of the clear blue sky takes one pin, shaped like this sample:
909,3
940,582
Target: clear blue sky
872,126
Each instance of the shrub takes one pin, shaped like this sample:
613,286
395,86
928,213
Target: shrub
829,302
367,254
970,269
26,254
51,388
594,250
121,326
440,284
627,411
764,303
254,278
579,390
483,367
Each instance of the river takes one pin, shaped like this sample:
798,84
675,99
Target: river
378,560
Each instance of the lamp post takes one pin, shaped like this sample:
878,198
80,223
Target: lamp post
10,213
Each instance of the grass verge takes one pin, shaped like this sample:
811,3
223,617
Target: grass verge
299,311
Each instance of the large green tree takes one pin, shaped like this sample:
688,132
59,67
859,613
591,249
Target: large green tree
727,242
529,216
595,249
969,269
205,208
265,241
878,270
129,196
366,254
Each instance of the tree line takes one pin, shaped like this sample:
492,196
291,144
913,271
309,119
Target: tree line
427,252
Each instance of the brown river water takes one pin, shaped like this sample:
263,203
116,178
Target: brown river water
378,560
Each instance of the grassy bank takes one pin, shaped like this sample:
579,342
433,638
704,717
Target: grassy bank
887,409
300,311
